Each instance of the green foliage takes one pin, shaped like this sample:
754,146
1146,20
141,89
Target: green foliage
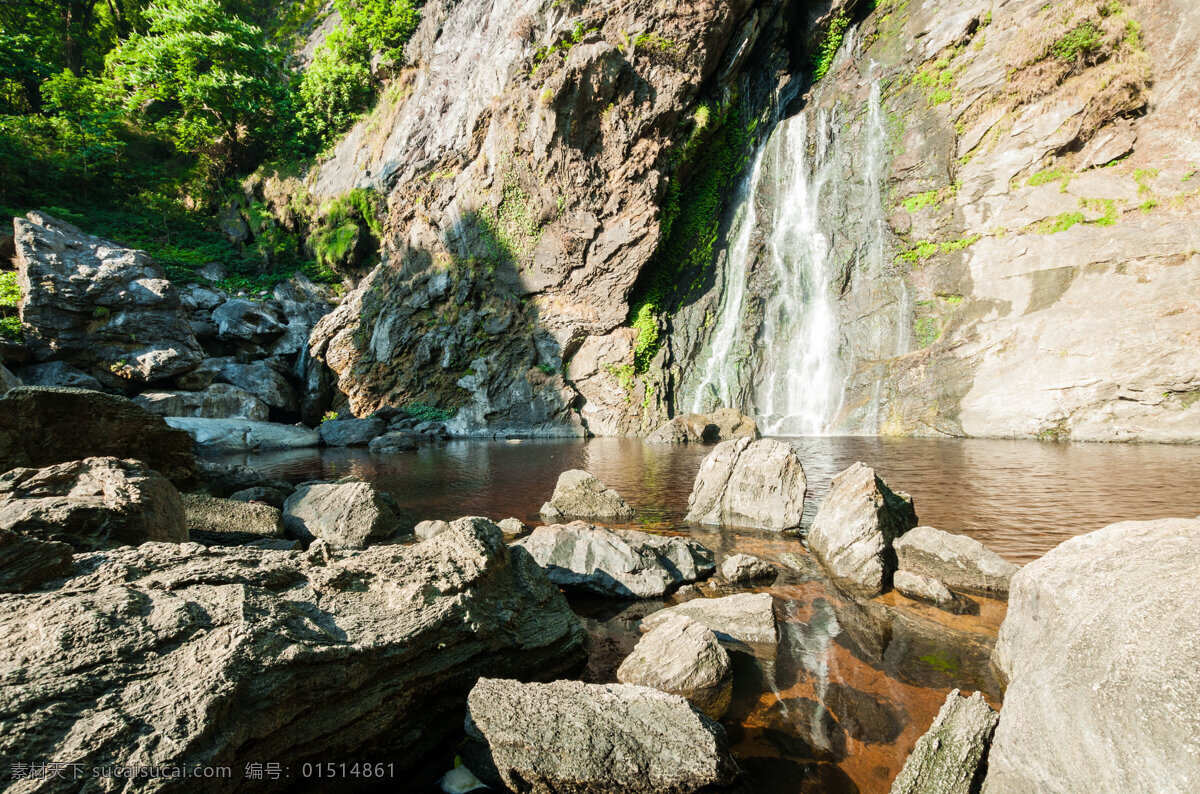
1045,177
646,343
921,201
831,42
343,222
1108,208
924,249
10,296
423,412
334,91
383,26
510,231
928,330
1078,43
547,369
1059,223
329,416
941,662
561,48
1143,177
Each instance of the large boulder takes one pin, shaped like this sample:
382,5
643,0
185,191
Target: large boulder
26,561
682,657
248,321
178,655
96,304
303,304
723,424
617,563
244,435
855,526
217,401
230,522
578,494
570,736
1099,646
351,432
743,622
58,373
957,561
226,479
746,568
926,588
346,515
749,483
8,380
951,757
392,443
92,503
40,427
262,380
731,423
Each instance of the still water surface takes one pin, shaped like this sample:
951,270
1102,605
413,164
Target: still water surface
842,700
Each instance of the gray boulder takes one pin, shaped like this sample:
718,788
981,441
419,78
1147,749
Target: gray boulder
226,479
511,526
617,563
303,304
951,757
244,435
247,321
58,373
571,736
260,493
749,483
26,561
957,561
346,515
263,381
351,432
925,588
93,303
1099,647
8,380
855,526
682,657
580,495
745,568
392,443
229,522
240,654
218,401
430,529
745,621
92,504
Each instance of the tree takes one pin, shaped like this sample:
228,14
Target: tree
203,76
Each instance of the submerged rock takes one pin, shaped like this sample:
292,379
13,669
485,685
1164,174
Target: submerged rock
571,736
351,432
745,619
244,435
855,526
580,495
925,588
957,561
26,561
745,568
951,757
682,657
241,654
92,504
749,483
617,563
1099,647
217,401
229,522
346,515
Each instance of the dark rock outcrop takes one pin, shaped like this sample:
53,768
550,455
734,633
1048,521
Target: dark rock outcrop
351,432
951,757
217,401
749,483
27,561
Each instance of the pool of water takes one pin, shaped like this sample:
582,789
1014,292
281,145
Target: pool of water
840,702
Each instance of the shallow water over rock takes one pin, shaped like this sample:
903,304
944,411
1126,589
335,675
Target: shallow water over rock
852,685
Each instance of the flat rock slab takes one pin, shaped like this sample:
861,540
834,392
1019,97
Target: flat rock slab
744,622
243,435
748,483
229,522
951,756
957,561
571,736
685,658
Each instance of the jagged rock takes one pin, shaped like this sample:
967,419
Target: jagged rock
951,757
430,529
92,503
723,424
265,494
41,426
263,381
855,526
745,619
93,303
26,561
224,479
230,522
749,483
580,495
197,296
346,515
571,736
745,568
218,401
58,373
247,321
1099,647
684,658
351,432
8,380
240,654
303,305
925,588
511,526
956,560
244,435
617,563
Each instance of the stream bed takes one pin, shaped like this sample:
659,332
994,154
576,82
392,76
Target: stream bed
852,685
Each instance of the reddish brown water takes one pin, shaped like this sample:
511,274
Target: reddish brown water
852,685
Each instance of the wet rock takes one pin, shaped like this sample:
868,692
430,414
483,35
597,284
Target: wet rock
925,588
247,321
684,658
745,568
1099,647
92,503
26,561
58,373
511,526
571,736
230,522
740,621
429,529
580,495
351,432
864,717
392,443
244,435
958,561
277,655
617,563
951,757
346,515
218,401
855,526
93,303
263,381
750,484
267,495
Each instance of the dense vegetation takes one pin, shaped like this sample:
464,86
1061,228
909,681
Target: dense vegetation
136,119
